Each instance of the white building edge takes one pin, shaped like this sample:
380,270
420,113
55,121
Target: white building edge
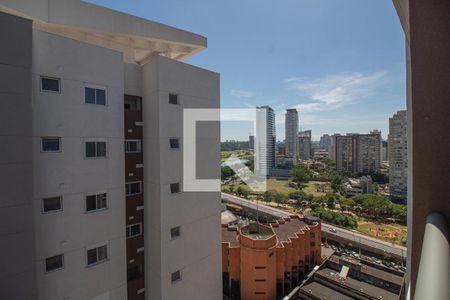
83,45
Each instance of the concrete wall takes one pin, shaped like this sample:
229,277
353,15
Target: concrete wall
17,280
70,175
197,253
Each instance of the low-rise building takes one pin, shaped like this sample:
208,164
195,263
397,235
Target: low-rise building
267,261
354,186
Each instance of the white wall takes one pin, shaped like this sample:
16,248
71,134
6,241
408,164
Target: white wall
197,252
71,175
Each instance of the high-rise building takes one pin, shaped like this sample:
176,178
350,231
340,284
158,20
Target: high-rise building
291,125
358,153
398,155
265,140
91,167
251,142
385,151
325,142
304,141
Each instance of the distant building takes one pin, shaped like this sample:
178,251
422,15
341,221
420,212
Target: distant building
325,142
332,148
385,151
354,186
281,150
304,140
291,126
251,142
265,140
358,153
398,155
268,261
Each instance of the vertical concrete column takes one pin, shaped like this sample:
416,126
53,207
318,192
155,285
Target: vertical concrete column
17,266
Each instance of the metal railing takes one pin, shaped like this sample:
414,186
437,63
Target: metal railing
433,278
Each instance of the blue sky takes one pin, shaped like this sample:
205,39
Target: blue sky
340,63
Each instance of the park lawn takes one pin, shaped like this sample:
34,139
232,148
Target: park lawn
390,232
242,154
311,188
281,186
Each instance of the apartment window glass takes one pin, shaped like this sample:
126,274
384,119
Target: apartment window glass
176,276
173,99
50,84
54,263
95,149
51,204
134,230
174,143
97,255
96,202
133,188
135,272
175,232
50,144
95,95
175,188
132,146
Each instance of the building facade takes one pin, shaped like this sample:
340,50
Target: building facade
304,141
291,129
358,153
398,155
268,261
265,140
100,212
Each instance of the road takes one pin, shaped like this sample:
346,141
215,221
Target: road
343,233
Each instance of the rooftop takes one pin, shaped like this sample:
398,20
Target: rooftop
289,229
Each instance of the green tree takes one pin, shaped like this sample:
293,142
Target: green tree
300,176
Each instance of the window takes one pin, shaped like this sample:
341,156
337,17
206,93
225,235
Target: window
260,293
134,230
312,235
53,204
132,146
96,202
133,188
175,188
312,244
51,144
97,255
174,143
176,276
260,280
175,232
260,268
49,84
132,103
54,263
95,149
94,95
173,99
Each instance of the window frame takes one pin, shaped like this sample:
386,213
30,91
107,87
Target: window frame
128,227
139,145
51,151
97,262
96,149
170,143
105,194
177,96
172,237
41,77
179,188
57,269
51,211
131,182
172,280
95,87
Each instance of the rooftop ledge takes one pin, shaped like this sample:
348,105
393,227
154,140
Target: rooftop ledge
135,37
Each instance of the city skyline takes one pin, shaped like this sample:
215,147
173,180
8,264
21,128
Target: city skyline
346,75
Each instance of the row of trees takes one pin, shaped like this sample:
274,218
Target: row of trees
341,219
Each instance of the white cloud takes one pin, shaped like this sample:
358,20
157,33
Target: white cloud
241,93
334,91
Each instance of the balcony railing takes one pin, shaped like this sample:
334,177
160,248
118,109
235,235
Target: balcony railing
433,278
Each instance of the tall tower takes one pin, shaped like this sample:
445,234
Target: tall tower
265,140
398,155
291,127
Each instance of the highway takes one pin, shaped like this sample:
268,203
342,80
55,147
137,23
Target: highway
327,229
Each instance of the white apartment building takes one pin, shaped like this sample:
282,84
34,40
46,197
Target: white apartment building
92,203
291,130
398,155
265,139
